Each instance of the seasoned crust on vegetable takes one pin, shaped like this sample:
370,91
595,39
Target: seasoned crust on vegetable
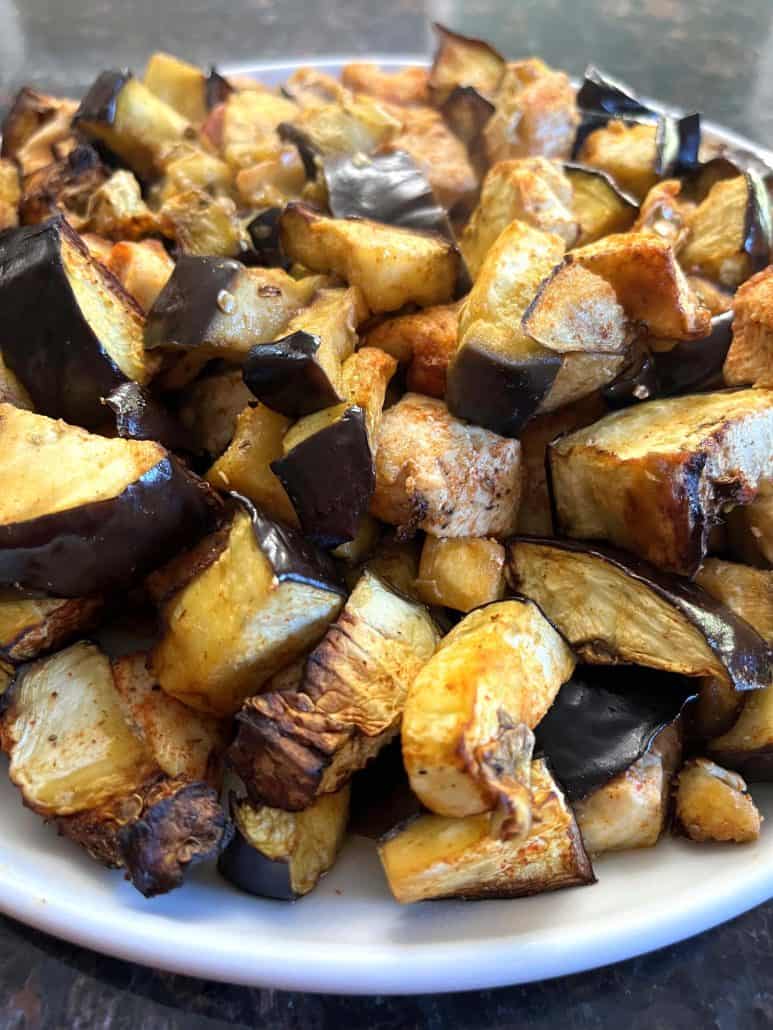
749,361
425,340
436,473
713,804
404,86
31,626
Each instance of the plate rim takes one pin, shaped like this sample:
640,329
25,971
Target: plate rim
403,969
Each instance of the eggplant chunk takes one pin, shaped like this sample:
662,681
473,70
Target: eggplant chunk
210,409
535,113
121,112
598,204
184,86
116,209
245,465
437,474
221,309
139,416
294,746
632,809
531,189
283,855
392,266
185,744
656,477
63,188
435,856
143,268
628,153
248,126
82,333
651,287
347,125
275,596
750,528
749,361
366,376
11,390
70,746
402,86
468,720
748,591
729,232
613,608
748,745
463,61
181,825
31,626
462,572
301,372
499,376
535,514
88,513
10,194
202,225
713,804
35,126
664,212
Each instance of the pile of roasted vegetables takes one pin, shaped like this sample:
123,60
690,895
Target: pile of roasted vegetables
390,454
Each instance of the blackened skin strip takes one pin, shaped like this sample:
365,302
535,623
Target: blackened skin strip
253,872
758,231
286,376
738,646
264,235
139,416
216,88
601,92
604,720
187,304
99,103
108,544
291,555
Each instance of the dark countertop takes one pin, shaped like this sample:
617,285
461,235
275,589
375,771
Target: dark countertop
708,55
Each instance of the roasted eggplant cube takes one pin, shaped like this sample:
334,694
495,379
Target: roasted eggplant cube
656,477
614,608
633,808
347,125
31,626
203,225
626,152
749,361
435,473
139,416
392,266
137,126
221,309
729,232
466,735
748,745
293,746
713,804
283,855
274,596
185,744
184,86
463,61
461,573
181,825
69,743
245,465
750,528
301,372
436,856
72,333
143,268
598,204
116,209
248,122
209,410
328,474
366,376
531,189
34,127
10,194
535,113
747,591
499,376
650,285
87,513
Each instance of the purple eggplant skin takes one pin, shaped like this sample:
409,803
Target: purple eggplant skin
266,245
689,366
500,395
286,376
603,93
625,198
217,89
754,766
290,133
758,228
184,309
48,343
739,647
174,834
109,544
250,871
330,478
289,553
604,719
99,103
388,188
466,112
139,416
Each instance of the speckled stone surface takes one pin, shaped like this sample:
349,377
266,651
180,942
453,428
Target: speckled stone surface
711,55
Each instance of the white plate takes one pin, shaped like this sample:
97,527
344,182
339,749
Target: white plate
349,936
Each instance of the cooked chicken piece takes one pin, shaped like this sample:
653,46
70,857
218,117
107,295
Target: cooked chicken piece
404,86
749,361
435,473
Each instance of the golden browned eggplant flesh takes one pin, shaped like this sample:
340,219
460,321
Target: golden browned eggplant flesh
418,425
